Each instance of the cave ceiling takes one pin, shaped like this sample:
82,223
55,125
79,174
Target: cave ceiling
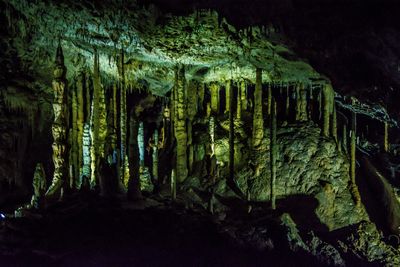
154,43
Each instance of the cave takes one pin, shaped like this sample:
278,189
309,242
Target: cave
199,133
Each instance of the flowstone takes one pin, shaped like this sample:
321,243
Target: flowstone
308,165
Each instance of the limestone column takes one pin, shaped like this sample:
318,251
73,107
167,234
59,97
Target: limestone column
328,98
386,137
258,122
273,152
80,123
134,158
243,95
238,104
231,133
155,155
123,157
227,96
354,189
214,90
180,125
60,126
301,103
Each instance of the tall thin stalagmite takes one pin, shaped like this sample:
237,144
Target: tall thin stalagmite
231,134
258,122
238,104
74,142
134,179
180,125
354,189
60,126
301,103
334,123
243,95
155,155
80,123
123,162
273,152
386,137
214,91
328,99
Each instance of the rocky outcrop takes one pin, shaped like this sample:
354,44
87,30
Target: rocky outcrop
308,165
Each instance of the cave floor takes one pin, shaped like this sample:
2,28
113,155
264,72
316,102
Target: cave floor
93,231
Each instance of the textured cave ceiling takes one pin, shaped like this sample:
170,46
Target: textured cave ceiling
354,44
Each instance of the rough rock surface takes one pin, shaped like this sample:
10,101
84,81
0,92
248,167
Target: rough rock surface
308,165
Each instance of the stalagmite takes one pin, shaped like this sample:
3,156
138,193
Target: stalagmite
258,122
301,103
86,141
99,121
39,187
243,95
123,162
134,158
180,125
354,189
80,123
273,152
59,127
211,130
155,155
328,100
192,107
386,137
74,151
214,90
140,143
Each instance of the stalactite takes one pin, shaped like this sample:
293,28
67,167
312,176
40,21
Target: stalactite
228,86
354,189
273,152
386,137
269,99
334,124
180,125
214,90
238,103
327,104
231,134
301,103
59,127
88,99
287,107
344,137
134,158
258,122
243,95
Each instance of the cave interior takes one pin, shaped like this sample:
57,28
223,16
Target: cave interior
199,133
